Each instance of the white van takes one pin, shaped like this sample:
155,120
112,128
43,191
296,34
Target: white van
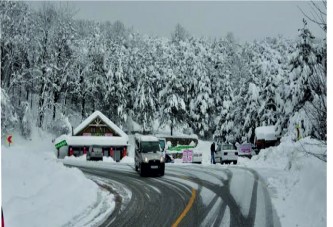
148,155
226,153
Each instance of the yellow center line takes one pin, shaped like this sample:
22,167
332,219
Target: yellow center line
187,208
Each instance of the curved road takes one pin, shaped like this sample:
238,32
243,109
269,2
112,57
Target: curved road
187,195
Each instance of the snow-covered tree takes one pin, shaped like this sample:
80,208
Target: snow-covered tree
304,68
9,118
172,111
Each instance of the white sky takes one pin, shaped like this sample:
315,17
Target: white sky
247,20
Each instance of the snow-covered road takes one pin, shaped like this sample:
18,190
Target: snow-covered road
222,195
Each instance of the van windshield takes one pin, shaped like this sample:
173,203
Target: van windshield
150,146
162,144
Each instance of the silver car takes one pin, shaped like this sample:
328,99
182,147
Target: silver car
95,153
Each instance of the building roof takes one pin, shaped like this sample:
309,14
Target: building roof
106,120
96,140
266,133
146,137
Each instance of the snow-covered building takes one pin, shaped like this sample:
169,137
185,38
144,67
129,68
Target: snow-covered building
97,130
265,136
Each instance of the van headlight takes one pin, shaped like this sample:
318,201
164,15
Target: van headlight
145,160
162,159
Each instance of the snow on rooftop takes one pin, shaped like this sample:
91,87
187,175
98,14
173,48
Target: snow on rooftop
147,138
106,120
93,140
179,135
266,133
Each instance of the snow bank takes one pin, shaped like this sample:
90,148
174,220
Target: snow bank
37,190
296,180
127,159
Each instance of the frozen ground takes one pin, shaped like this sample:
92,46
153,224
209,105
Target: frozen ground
37,190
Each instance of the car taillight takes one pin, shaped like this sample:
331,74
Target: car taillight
70,151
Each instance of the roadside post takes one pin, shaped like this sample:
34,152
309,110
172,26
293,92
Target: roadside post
9,139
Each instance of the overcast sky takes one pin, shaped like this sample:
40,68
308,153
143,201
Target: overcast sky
247,20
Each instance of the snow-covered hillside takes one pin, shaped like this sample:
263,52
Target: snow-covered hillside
37,190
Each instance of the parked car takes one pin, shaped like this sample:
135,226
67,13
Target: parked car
95,153
197,157
246,150
148,155
226,153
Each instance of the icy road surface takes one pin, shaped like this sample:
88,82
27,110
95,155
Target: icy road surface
187,195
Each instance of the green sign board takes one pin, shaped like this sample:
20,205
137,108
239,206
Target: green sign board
180,147
61,144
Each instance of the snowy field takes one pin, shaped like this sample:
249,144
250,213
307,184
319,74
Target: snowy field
38,189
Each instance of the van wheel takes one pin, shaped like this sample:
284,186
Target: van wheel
141,171
235,162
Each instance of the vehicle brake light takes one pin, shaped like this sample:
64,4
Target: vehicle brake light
70,151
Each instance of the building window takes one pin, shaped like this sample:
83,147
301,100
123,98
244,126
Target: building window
92,129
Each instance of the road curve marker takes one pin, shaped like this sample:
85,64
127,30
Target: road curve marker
187,208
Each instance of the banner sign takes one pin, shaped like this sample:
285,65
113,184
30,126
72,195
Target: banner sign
187,156
245,148
184,156
61,144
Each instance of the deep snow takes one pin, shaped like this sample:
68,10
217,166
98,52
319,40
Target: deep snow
38,190
295,180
